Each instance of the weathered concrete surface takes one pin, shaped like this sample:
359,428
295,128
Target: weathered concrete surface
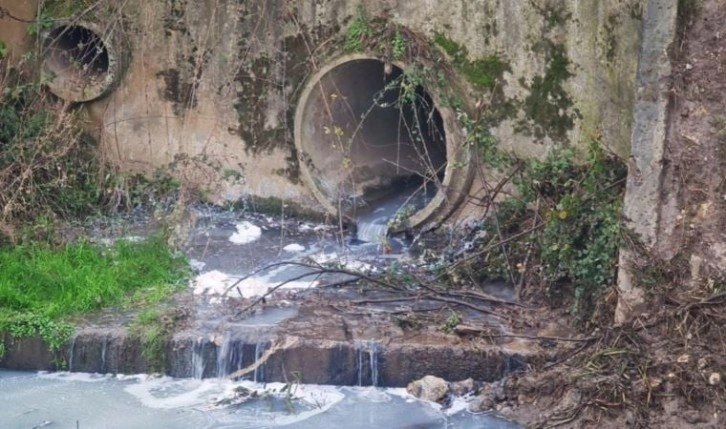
318,346
212,86
643,189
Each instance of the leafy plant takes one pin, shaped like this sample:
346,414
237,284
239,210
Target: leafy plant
43,23
398,46
358,31
451,323
561,229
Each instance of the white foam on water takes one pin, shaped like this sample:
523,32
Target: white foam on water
143,400
401,392
169,393
457,404
216,283
212,282
246,233
375,394
344,261
74,376
294,247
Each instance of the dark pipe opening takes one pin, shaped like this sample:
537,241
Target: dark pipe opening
370,131
74,52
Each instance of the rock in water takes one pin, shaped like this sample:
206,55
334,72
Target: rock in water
463,387
429,388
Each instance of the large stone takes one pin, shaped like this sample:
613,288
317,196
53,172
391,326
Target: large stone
429,388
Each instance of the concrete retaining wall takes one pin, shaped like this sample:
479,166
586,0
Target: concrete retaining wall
211,87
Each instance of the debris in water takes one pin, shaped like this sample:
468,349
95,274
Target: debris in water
294,247
246,233
212,283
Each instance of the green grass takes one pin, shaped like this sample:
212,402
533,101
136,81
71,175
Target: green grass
41,286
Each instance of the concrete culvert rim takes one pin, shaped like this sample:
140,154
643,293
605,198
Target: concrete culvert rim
81,62
364,128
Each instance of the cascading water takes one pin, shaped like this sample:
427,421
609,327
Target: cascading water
71,352
373,358
259,375
230,356
373,219
198,363
104,348
368,352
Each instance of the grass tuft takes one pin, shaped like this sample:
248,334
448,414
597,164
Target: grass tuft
41,286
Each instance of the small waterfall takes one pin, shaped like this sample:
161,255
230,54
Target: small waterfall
360,366
230,356
373,358
198,363
401,201
71,352
104,347
223,357
372,232
259,376
368,350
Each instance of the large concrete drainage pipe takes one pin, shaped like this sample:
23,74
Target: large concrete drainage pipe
81,61
367,132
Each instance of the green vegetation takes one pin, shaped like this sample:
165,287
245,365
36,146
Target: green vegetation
41,287
65,8
51,175
149,328
580,239
561,227
483,72
82,277
451,323
398,46
358,31
48,166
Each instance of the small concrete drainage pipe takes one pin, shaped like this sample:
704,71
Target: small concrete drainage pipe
81,61
364,131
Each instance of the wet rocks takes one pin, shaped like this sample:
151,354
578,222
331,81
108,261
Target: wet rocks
489,395
429,388
463,387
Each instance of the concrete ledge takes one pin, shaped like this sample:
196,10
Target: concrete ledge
297,358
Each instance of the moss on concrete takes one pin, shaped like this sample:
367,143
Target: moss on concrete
547,107
484,72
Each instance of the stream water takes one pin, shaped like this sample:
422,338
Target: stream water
93,401
224,248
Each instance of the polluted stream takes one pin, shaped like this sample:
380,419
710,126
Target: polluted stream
93,401
224,247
